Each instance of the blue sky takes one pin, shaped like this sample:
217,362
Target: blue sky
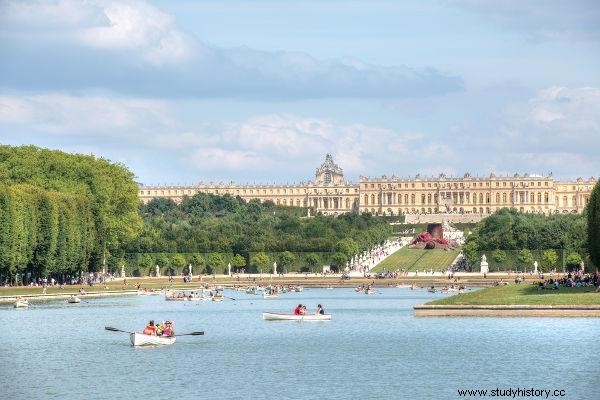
189,91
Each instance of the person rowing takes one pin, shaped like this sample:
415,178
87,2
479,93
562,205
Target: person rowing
150,329
320,310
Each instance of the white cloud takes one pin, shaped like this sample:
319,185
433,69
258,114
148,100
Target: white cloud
138,25
135,48
85,115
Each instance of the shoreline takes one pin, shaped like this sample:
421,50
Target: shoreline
507,310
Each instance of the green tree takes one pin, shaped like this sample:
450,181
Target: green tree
163,260
238,262
348,247
573,260
470,251
549,259
499,256
197,261
286,259
262,261
593,225
214,262
339,260
312,260
178,262
525,258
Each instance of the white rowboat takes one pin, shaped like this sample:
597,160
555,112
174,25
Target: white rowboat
74,299
269,316
270,295
21,304
139,339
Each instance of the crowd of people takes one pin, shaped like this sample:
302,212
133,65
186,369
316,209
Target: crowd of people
571,279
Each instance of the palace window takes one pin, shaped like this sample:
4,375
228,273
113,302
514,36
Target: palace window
327,178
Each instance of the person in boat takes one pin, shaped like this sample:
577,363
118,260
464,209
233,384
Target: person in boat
320,310
298,309
303,310
150,329
168,329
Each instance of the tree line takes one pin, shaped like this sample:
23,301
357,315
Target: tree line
513,239
62,213
209,231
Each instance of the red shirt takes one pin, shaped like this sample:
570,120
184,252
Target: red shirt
297,310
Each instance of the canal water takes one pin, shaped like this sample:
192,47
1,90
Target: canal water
373,348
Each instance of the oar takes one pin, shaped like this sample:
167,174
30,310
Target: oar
230,298
110,328
191,334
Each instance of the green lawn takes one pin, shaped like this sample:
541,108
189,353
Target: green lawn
524,294
421,260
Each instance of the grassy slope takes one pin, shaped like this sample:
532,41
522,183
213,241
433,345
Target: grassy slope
524,294
421,260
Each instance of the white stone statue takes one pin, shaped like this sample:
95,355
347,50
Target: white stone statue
484,265
274,268
157,268
535,267
190,267
229,269
582,266
123,271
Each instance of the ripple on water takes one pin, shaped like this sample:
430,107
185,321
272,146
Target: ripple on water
373,348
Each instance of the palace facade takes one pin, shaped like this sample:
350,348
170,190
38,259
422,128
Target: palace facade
330,194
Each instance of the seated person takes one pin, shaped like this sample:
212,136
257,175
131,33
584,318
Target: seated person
150,329
168,329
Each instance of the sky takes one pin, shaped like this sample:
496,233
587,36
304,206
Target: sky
259,91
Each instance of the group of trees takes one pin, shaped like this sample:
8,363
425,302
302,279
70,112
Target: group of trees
62,213
260,233
521,239
42,231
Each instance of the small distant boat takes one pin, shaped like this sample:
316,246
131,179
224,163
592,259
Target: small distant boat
269,316
329,287
217,297
144,293
21,304
404,286
198,298
431,290
270,295
369,291
298,289
74,299
175,298
139,339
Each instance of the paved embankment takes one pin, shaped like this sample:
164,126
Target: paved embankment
66,295
431,310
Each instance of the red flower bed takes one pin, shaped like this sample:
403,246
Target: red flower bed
425,237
